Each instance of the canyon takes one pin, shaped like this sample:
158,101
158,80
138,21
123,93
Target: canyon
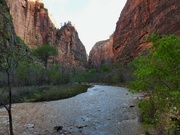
138,19
33,24
101,54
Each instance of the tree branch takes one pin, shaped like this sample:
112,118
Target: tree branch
4,105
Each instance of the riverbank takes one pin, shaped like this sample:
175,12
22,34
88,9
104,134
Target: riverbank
44,93
102,110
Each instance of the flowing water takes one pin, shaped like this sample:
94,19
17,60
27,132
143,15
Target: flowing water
102,110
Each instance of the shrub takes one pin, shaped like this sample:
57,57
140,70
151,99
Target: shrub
158,75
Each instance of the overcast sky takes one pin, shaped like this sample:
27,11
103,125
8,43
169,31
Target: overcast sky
94,20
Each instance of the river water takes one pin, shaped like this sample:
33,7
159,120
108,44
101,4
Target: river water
102,110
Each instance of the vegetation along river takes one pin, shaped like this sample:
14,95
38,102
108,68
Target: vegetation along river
102,110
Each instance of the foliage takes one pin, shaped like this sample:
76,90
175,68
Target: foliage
44,53
158,75
61,92
12,51
79,77
28,74
88,76
105,68
46,92
54,74
110,74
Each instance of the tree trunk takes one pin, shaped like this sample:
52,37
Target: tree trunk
10,122
10,81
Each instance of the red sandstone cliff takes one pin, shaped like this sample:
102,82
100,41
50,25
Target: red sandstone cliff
138,19
33,25
101,53
71,50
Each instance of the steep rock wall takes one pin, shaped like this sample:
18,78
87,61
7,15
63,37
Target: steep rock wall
71,50
31,22
7,34
10,43
101,53
33,25
138,19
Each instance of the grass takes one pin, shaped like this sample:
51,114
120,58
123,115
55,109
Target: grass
45,93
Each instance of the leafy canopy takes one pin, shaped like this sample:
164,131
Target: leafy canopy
158,73
45,52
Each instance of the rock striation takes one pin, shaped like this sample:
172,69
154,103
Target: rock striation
138,19
101,53
33,24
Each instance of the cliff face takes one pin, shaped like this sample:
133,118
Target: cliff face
31,22
101,53
140,18
33,25
7,33
10,44
71,50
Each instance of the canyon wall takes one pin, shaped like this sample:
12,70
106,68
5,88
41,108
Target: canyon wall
101,54
138,19
32,24
71,50
7,34
10,43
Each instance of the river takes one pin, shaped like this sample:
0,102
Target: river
102,110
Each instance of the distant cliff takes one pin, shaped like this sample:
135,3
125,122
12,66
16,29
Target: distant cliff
71,50
101,53
138,19
33,25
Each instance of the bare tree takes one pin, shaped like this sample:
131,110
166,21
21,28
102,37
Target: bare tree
12,50
10,55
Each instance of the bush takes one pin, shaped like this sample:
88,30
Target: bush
44,93
158,75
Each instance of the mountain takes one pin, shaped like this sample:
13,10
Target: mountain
72,51
34,25
8,37
101,54
138,19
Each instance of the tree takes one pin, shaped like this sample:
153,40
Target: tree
10,55
158,74
44,53
12,50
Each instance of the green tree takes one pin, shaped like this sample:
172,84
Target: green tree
54,74
44,53
158,74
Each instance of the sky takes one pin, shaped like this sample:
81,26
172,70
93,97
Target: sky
94,20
